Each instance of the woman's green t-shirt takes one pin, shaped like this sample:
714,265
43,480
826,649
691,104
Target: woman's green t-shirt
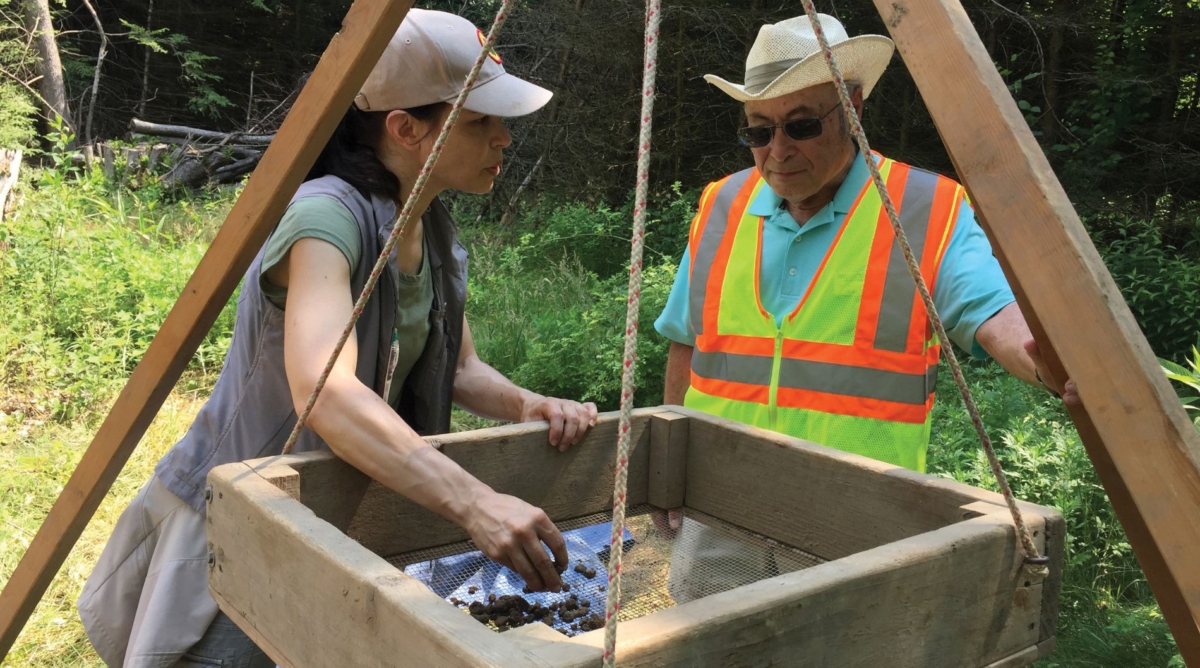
324,218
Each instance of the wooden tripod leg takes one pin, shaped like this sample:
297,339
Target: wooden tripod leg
1143,446
351,55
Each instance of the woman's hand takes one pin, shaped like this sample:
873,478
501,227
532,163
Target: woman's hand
484,391
569,420
511,533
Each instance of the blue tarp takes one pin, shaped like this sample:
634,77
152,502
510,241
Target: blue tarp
452,577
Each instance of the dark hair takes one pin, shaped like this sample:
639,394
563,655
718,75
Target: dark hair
350,153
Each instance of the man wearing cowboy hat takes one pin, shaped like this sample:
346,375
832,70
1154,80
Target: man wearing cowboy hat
793,308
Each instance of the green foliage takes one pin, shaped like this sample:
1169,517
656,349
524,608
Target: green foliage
548,297
598,236
17,113
1022,88
1107,614
1099,120
1106,635
1160,282
91,272
196,71
160,40
92,269
17,106
559,329
1045,463
1190,378
37,456
205,99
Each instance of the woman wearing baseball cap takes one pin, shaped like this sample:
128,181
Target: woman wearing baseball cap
411,356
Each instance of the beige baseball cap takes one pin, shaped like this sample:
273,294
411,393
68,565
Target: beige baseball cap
428,60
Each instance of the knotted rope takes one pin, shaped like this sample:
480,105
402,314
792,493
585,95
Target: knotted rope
613,601
1037,563
402,222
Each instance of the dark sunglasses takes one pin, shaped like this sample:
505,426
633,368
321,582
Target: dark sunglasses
758,136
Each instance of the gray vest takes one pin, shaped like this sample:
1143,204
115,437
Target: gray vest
250,412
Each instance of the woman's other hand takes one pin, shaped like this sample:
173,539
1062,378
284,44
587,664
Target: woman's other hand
569,420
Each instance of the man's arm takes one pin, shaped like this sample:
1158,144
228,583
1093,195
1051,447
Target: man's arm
482,390
1003,336
679,373
1006,337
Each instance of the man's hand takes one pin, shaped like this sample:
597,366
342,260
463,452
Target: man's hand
569,420
668,522
511,532
1067,390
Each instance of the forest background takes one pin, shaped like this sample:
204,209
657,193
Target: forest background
92,259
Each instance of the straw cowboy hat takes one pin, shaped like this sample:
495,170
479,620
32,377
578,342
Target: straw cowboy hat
786,57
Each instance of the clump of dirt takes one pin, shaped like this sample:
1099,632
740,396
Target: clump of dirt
510,611
584,570
592,623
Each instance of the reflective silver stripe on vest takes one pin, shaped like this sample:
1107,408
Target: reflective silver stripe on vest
850,381
899,290
750,369
710,241
758,78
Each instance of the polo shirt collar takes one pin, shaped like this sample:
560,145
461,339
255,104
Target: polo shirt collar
767,203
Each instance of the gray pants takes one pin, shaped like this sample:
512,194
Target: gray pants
146,604
226,646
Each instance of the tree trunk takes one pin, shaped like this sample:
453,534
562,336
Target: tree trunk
89,137
509,213
140,109
1052,74
906,114
1174,70
680,92
37,16
297,9
1116,22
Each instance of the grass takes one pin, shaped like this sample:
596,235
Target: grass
37,456
87,274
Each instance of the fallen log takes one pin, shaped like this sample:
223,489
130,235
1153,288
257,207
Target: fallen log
189,172
237,150
139,126
234,171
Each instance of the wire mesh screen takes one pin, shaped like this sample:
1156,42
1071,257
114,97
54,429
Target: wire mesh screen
662,567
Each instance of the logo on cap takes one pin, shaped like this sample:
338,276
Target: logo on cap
491,52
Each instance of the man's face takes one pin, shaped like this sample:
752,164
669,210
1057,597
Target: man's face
798,169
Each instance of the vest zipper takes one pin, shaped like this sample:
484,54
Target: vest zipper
393,356
776,362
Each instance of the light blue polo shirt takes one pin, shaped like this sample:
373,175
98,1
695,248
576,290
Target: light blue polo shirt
970,288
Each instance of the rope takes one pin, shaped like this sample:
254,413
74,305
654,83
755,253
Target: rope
613,600
1032,557
401,226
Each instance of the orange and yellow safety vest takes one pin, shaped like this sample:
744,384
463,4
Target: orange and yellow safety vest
853,366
